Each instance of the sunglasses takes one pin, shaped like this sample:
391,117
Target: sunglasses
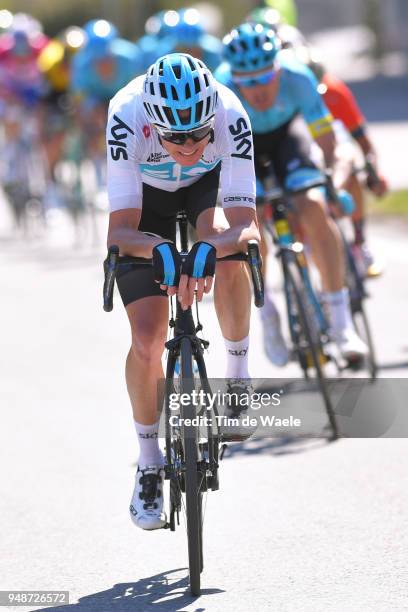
180,138
253,81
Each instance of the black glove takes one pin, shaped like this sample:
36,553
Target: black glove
200,261
166,264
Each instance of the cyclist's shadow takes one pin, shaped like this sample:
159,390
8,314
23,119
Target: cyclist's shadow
166,591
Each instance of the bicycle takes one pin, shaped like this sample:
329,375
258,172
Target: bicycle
192,461
308,325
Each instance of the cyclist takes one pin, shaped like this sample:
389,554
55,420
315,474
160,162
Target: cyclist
186,29
173,135
275,89
59,124
100,68
21,89
179,31
21,81
351,127
152,45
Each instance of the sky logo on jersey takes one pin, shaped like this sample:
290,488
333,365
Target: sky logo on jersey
242,136
119,133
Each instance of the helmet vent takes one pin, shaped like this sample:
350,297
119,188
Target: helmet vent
184,116
188,91
197,85
174,93
169,115
163,91
199,111
158,113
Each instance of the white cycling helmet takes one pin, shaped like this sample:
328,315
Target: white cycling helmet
179,82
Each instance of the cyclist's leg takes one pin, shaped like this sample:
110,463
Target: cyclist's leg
232,292
294,167
147,309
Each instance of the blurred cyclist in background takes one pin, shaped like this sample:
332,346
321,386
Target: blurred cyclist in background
179,31
21,81
280,95
350,127
155,43
102,66
22,87
58,118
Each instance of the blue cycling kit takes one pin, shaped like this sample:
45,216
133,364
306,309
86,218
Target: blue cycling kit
88,81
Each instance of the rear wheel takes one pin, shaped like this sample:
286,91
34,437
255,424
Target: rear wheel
355,284
305,337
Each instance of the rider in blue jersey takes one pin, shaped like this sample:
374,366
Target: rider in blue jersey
99,70
152,46
105,64
280,95
181,31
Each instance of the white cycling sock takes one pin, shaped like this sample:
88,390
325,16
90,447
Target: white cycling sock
148,436
237,358
338,303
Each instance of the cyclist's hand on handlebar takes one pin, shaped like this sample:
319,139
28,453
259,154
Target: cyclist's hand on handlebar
166,266
197,273
379,186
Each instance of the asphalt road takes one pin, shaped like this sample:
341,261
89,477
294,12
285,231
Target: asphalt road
301,525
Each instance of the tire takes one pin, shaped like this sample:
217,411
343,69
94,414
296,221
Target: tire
192,485
295,286
357,292
362,327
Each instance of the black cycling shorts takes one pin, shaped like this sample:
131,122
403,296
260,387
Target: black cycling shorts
159,212
288,148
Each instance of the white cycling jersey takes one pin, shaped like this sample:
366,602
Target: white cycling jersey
135,155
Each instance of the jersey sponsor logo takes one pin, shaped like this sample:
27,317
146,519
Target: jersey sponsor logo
119,133
154,158
148,436
199,168
146,131
242,136
163,172
239,199
171,171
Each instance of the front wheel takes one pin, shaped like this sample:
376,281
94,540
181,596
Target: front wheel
304,333
192,484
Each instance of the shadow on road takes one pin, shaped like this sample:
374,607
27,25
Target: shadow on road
165,591
278,447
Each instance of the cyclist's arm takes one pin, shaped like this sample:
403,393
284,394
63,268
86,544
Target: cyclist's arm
237,180
125,184
123,231
243,226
